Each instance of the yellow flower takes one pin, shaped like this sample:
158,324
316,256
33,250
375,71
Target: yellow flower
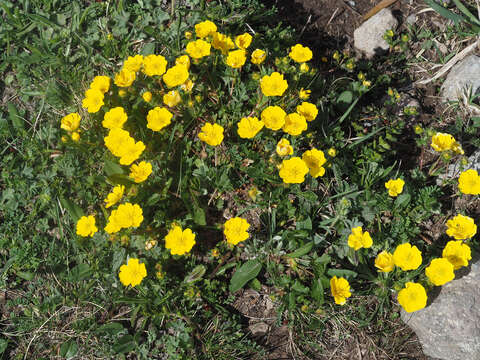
205,28
101,83
395,187
366,83
295,124
407,257
308,110
140,172
236,59
293,171
304,94
315,159
469,182
222,42
442,142
93,100
457,253
384,262
440,271
243,41
340,289
332,152
70,122
359,239
249,127
304,68
64,139
114,118
75,136
235,230
300,53
172,98
258,56
125,216
133,63
273,85
86,226
198,49
253,193
179,242
147,96
187,86
115,196
158,118
412,297
461,227
212,134
183,60
122,145
361,77
273,117
125,78
188,35
176,75
132,273
284,148
154,65
122,93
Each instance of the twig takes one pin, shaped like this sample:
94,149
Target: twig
382,5
451,63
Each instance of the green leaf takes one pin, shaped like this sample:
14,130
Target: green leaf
299,287
244,274
402,200
111,329
125,344
80,272
444,12
16,120
73,210
476,121
199,215
196,274
255,284
345,99
303,250
318,291
341,273
3,346
112,168
473,19
118,258
69,349
25,275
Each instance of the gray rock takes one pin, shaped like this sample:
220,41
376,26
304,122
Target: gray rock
411,19
368,38
463,77
449,328
258,329
454,170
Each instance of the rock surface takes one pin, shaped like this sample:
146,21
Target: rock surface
449,328
462,77
368,38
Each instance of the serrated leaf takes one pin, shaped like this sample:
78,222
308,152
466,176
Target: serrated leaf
402,200
244,274
303,250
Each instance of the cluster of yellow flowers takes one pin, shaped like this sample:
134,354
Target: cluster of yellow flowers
445,142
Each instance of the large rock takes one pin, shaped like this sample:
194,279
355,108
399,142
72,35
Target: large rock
463,77
449,328
454,170
368,38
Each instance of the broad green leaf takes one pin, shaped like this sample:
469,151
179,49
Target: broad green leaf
244,274
444,12
402,200
3,346
16,120
305,249
298,287
199,215
318,291
118,258
69,349
112,168
80,272
125,344
341,273
112,329
25,275
73,210
196,274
